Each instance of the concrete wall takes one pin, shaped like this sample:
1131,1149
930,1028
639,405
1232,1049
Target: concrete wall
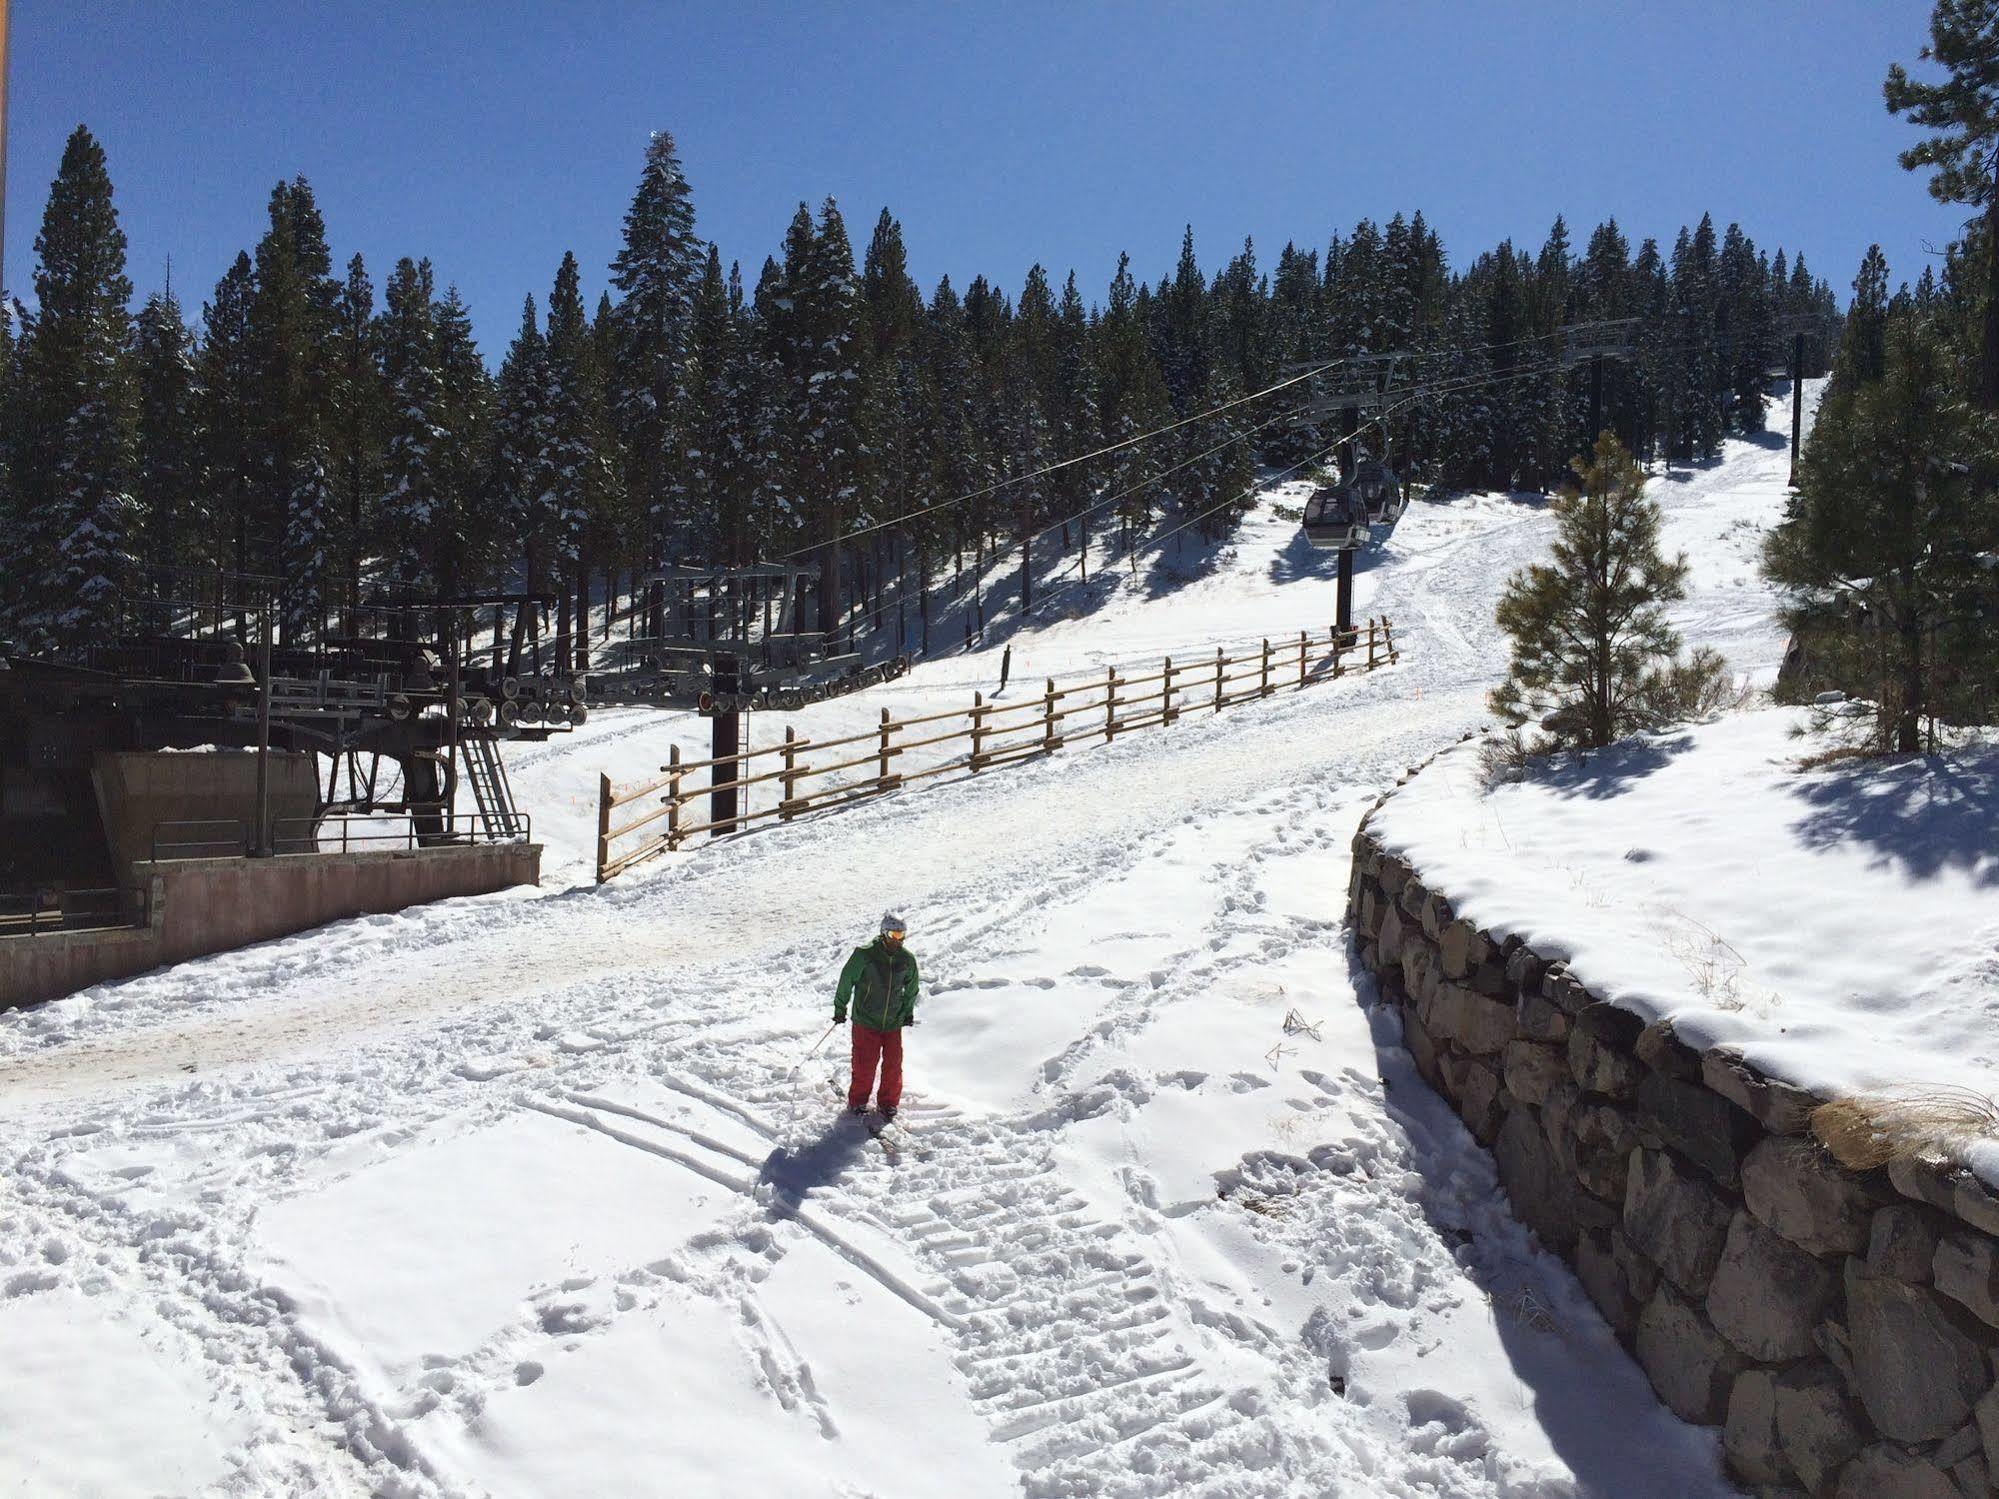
200,906
139,789
1841,1327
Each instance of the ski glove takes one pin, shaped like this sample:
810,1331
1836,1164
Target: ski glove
839,1017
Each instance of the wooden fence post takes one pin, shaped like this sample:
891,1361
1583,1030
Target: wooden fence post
1219,662
788,778
1263,685
1334,635
881,760
1304,645
1166,693
1370,643
673,796
1388,635
603,825
978,730
1110,704
1048,740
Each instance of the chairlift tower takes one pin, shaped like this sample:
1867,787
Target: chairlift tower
730,644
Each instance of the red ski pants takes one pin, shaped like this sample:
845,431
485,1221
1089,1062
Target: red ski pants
874,1048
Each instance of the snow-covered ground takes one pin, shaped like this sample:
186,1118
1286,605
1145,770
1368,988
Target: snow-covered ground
1840,924
530,1194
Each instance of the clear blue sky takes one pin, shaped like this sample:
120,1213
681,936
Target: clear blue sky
492,136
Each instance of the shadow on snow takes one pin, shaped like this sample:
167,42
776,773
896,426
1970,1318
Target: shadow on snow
1920,816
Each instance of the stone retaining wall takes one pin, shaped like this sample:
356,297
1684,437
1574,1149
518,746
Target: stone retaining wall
1840,1327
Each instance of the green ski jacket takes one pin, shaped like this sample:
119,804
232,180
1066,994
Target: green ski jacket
882,986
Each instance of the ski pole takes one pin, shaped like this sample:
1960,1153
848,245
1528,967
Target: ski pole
808,1056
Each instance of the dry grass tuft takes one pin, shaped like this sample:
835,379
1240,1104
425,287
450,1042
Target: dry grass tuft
1925,1124
1845,754
1504,759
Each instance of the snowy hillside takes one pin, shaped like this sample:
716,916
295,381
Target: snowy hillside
530,1194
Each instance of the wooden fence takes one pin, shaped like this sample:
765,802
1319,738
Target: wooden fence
990,734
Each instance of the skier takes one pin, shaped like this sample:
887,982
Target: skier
880,980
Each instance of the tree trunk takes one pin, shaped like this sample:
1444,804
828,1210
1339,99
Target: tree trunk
1988,363
562,622
829,591
1909,712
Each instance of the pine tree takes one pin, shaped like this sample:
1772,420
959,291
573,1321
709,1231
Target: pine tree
171,497
821,356
1863,339
520,485
655,273
292,314
10,524
1962,153
745,460
74,449
1464,426
310,525
1697,298
227,378
892,308
771,419
1134,400
1543,399
1075,415
1745,330
410,494
1652,292
579,476
467,539
356,416
1884,551
1588,631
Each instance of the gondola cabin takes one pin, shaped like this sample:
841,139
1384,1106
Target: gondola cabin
1377,490
1334,520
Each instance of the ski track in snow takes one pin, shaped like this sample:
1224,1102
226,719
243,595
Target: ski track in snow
1151,1256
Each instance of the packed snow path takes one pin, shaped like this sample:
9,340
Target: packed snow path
522,1195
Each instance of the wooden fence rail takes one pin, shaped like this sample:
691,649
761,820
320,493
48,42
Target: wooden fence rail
994,734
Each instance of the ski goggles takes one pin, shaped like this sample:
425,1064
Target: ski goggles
893,934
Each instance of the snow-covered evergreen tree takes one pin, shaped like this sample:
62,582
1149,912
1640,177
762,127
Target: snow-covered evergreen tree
1697,296
172,501
291,318
226,378
409,497
310,525
467,539
655,272
73,449
519,486
354,431
579,477
817,327
1885,551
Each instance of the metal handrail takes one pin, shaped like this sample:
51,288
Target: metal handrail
54,910
207,848
309,835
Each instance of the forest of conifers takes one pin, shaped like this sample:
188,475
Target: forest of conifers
305,428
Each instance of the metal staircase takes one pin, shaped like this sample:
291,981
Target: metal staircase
486,773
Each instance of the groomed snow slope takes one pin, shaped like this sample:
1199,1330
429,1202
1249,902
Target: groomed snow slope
523,1195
